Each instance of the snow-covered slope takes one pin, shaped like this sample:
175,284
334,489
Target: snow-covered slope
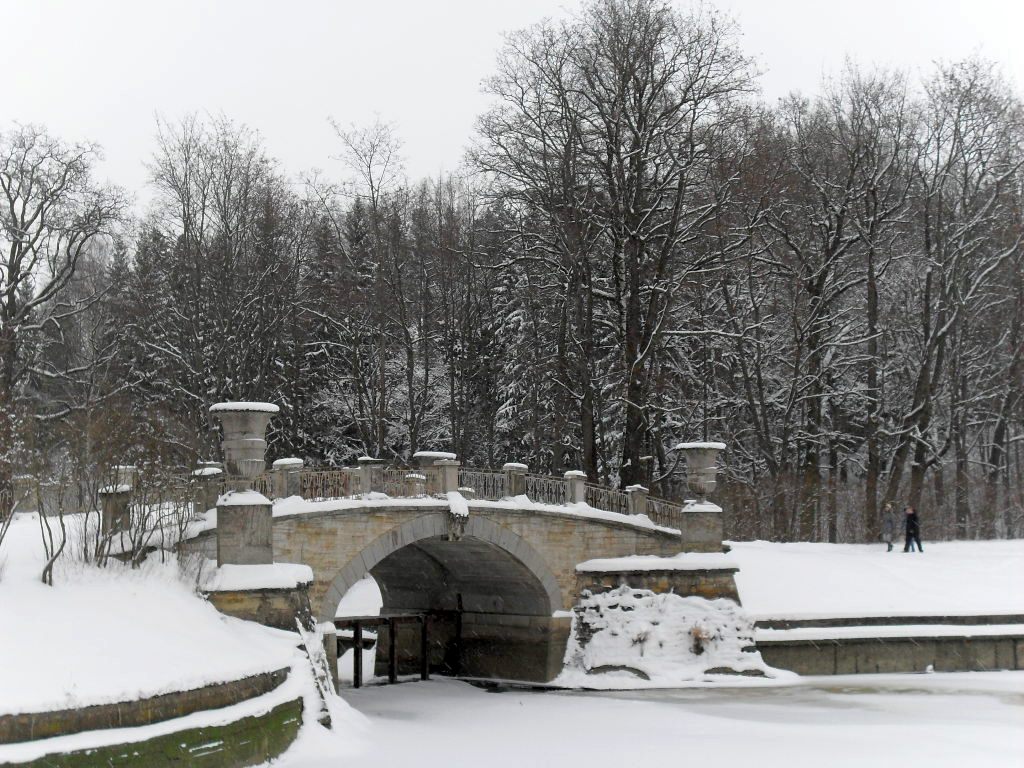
104,635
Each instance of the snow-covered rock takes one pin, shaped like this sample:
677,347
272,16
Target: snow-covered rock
640,638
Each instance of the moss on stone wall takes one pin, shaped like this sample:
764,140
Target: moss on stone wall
245,742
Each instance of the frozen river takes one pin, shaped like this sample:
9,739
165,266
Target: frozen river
973,719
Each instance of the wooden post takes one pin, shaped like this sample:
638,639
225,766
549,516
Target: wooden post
392,653
357,660
424,650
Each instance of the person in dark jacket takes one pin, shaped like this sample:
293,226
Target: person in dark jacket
890,525
912,527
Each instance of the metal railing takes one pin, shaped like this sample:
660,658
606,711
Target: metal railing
545,489
600,497
485,483
488,484
316,485
393,481
263,484
664,513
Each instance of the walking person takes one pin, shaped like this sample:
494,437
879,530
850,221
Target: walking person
889,525
912,527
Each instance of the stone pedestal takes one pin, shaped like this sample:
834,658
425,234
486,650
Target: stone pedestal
115,514
244,517
515,478
286,477
426,459
367,473
449,472
637,496
415,484
245,530
701,524
575,486
206,488
126,474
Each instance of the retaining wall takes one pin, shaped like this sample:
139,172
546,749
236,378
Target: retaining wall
850,656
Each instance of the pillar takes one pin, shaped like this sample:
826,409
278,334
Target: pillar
575,486
515,478
449,471
286,477
367,465
244,517
637,496
206,484
114,511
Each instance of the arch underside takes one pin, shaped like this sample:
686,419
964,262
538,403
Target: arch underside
489,598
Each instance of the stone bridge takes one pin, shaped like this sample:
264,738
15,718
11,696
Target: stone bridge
498,582
497,577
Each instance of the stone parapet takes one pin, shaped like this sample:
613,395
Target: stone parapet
278,608
706,583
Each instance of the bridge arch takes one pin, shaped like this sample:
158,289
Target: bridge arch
489,555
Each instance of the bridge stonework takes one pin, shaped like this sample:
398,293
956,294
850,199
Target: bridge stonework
498,598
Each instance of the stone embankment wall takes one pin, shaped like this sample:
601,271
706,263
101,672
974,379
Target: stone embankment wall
872,655
245,742
30,726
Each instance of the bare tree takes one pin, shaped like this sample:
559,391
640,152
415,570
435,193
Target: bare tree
52,213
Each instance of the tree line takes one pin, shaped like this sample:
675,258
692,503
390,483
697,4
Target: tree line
637,251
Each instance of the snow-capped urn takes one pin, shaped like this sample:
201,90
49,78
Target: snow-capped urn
244,442
701,466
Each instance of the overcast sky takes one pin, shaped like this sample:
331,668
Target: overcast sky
102,70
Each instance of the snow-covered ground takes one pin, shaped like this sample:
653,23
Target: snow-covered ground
958,578
954,720
104,635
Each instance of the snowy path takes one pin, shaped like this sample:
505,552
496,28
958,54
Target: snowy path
963,578
908,720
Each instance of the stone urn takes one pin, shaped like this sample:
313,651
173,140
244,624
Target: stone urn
701,467
244,441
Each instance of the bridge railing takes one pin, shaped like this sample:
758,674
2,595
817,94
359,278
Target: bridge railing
602,497
545,489
485,483
492,485
325,484
663,512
